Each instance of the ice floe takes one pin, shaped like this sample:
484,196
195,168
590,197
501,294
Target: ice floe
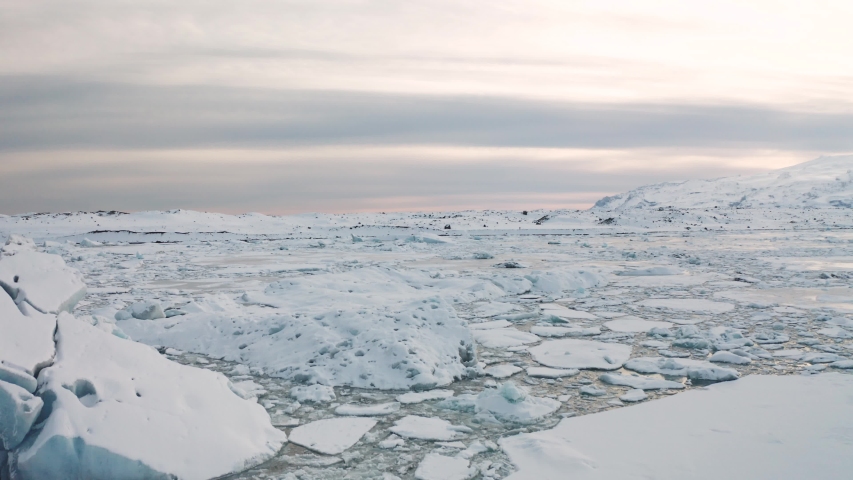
571,353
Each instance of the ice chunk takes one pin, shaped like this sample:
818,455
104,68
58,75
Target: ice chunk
502,371
635,325
90,243
18,411
688,304
638,382
418,397
17,376
636,395
489,325
428,428
565,313
41,280
650,271
120,409
144,310
728,357
820,357
331,436
26,342
439,467
503,337
547,372
573,331
712,374
17,243
571,353
513,403
355,410
592,391
313,393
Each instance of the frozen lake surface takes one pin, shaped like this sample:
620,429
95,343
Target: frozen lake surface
647,337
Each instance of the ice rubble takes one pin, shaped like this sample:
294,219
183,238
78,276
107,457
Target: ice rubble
760,427
105,407
382,333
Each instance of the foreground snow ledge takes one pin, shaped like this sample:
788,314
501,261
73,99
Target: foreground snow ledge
117,409
757,428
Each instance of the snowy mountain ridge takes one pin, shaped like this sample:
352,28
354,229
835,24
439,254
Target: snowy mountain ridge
820,183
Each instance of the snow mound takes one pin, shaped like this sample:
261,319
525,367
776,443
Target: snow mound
571,353
118,409
738,426
42,280
821,183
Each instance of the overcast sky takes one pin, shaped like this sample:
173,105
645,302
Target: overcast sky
351,105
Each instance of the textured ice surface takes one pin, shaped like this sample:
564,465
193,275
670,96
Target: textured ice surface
378,336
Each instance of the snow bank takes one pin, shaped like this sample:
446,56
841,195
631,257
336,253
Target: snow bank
117,409
759,427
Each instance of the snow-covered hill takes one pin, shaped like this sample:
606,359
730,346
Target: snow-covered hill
823,182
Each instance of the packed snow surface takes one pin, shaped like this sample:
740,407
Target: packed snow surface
760,427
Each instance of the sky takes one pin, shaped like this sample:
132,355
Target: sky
354,105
